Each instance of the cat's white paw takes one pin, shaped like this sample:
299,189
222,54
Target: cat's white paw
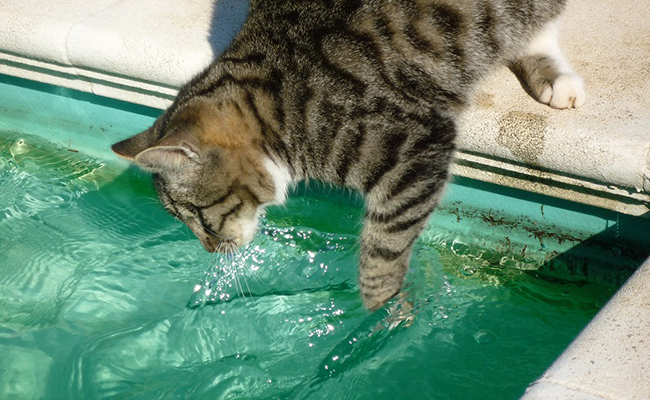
566,92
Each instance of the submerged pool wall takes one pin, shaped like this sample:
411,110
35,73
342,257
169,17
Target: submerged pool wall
596,156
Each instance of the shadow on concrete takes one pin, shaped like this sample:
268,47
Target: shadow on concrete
228,16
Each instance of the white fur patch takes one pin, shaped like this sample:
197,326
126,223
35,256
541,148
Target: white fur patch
567,91
249,228
281,179
546,43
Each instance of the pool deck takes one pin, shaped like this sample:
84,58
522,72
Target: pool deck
143,51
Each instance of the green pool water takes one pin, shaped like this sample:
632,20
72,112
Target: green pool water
97,282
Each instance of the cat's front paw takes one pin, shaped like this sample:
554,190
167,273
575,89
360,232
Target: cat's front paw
567,91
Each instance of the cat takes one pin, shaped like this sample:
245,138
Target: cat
359,93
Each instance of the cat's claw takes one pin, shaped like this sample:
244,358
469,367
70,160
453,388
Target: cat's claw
566,92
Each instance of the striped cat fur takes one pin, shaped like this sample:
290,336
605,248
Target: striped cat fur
359,93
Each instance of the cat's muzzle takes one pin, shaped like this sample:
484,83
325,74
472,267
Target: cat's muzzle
216,244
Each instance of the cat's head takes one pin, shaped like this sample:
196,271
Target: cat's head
209,170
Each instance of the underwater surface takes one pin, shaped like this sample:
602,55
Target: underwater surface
104,295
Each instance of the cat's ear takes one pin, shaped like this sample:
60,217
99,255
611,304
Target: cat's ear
131,147
171,153
175,151
167,157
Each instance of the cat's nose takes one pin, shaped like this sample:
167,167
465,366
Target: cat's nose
213,244
208,245
209,242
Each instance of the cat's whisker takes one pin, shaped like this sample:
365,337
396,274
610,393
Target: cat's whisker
187,233
253,274
210,231
238,286
214,257
236,264
243,269
250,271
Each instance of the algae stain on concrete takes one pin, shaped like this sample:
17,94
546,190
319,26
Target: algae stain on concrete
523,134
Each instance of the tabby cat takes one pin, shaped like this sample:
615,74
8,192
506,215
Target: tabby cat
360,93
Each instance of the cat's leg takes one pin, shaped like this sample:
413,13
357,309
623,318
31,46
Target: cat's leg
384,259
391,226
545,74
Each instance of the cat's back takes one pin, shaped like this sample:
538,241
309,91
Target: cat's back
317,71
427,49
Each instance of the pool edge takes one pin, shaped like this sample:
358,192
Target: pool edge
593,367
570,154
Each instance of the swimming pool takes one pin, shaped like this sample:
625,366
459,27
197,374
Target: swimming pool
97,282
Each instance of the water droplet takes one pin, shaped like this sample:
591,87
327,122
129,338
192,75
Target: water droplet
485,337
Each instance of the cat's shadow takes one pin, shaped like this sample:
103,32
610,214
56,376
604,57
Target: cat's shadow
228,17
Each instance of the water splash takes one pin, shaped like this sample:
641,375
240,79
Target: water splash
224,280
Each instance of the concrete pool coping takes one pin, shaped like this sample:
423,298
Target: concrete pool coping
610,360
142,52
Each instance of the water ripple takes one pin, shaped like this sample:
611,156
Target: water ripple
95,280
